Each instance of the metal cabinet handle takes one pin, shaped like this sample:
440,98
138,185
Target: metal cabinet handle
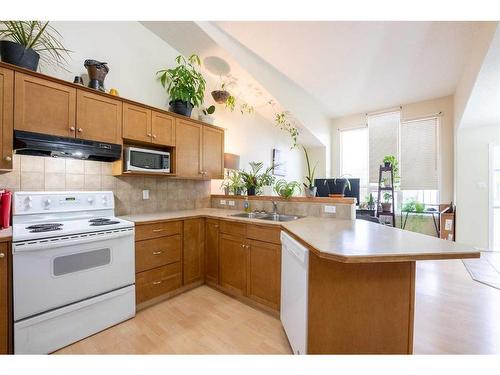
154,136
157,282
72,128
158,230
216,226
247,246
242,245
8,158
157,252
149,135
80,130
2,255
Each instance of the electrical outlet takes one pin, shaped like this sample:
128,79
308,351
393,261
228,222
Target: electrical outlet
145,194
223,202
231,203
330,209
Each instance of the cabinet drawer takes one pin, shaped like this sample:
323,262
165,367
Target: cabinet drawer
237,229
158,281
157,252
261,233
147,231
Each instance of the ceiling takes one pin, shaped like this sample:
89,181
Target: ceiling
353,67
483,107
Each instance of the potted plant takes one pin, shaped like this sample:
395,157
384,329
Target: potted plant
386,204
233,183
370,202
184,84
286,189
309,188
251,179
391,161
24,43
267,180
339,186
206,115
221,96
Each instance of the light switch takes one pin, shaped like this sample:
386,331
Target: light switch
145,194
231,203
330,209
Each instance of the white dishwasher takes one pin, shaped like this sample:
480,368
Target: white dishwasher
294,274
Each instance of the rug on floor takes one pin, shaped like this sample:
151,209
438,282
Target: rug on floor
486,269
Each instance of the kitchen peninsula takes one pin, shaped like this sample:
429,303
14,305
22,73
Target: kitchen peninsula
361,274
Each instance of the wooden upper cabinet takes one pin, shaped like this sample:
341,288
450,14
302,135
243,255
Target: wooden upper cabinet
188,148
193,250
233,263
6,117
136,123
212,251
99,118
163,129
43,106
213,152
264,273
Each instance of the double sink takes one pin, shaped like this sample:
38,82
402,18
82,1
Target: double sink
267,216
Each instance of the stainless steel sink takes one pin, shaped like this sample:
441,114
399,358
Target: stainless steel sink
266,216
279,217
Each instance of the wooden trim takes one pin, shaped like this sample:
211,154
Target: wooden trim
292,199
411,312
84,88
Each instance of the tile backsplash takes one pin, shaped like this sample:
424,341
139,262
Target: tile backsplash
35,173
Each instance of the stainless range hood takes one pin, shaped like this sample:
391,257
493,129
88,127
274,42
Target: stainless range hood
28,143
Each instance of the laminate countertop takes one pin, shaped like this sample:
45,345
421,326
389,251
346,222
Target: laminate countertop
348,241
6,234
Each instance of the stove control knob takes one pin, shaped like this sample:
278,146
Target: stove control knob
29,205
47,202
90,200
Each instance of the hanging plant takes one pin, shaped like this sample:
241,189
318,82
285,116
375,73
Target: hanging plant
284,123
221,96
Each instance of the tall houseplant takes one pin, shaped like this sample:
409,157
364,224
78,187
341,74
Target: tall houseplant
309,187
25,43
251,178
184,84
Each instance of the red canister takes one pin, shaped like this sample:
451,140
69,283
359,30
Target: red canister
5,205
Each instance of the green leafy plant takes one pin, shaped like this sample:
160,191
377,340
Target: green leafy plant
209,111
40,37
391,159
411,205
370,201
231,103
184,82
286,189
283,122
387,197
267,178
233,182
310,172
251,178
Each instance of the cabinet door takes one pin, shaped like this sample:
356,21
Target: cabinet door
193,250
188,148
212,251
98,118
213,152
163,129
264,273
6,117
136,123
42,106
4,299
233,264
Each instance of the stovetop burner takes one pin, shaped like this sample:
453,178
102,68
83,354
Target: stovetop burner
99,220
49,227
102,221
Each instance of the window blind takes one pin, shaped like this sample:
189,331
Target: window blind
419,154
383,139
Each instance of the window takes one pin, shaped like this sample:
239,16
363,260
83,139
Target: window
354,157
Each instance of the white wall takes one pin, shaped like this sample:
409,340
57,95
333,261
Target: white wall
134,54
472,188
409,111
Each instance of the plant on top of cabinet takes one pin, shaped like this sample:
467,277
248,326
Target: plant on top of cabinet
184,84
24,43
309,187
286,189
206,115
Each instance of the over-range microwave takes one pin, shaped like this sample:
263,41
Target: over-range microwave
141,159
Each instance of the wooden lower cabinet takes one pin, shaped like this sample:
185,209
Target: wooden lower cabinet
4,297
157,252
232,263
158,281
212,251
264,273
193,250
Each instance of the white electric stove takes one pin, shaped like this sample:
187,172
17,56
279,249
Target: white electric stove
73,268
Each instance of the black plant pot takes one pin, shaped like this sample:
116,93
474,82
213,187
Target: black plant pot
16,54
181,107
387,164
251,190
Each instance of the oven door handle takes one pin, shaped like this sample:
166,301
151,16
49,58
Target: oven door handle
53,243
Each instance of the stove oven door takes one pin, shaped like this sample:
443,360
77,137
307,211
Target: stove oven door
55,272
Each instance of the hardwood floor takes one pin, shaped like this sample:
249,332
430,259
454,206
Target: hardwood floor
454,315
201,321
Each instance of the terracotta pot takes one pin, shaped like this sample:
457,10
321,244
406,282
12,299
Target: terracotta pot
386,207
220,96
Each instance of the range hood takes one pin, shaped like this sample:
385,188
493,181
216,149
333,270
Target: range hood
28,143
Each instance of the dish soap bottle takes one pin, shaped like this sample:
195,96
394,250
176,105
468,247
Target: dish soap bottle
246,206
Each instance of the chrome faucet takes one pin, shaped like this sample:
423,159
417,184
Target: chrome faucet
275,208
